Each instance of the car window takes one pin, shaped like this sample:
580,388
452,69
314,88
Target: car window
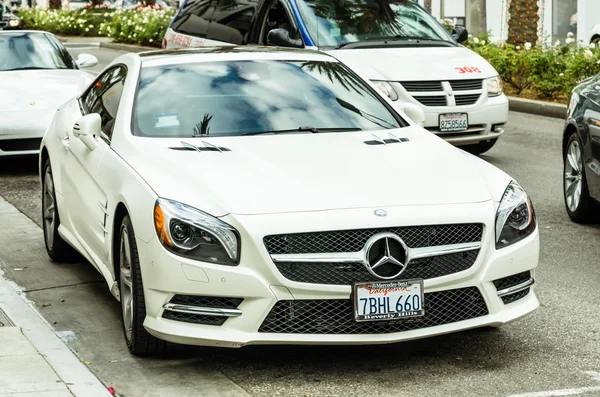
194,17
230,21
277,17
104,97
331,22
249,97
29,50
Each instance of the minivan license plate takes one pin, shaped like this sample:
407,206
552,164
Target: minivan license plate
377,301
454,122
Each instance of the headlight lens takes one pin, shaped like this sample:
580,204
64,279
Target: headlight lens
194,234
515,218
13,22
385,88
494,86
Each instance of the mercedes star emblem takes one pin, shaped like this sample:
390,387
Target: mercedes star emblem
380,212
386,255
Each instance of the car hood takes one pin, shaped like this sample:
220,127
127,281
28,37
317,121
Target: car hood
414,63
26,90
308,172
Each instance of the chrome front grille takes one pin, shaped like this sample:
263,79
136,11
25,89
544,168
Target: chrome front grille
339,258
445,93
337,316
355,239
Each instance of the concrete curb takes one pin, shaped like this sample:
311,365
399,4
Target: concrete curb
78,378
540,108
128,47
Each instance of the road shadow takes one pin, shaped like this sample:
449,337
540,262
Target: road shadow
19,166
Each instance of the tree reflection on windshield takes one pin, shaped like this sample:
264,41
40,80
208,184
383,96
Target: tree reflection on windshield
32,50
338,72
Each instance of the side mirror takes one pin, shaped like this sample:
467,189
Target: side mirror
281,38
86,60
87,129
460,33
415,113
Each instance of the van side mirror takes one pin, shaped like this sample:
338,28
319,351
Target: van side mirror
281,38
460,33
87,129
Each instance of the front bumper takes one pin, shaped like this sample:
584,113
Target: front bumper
21,132
487,117
261,286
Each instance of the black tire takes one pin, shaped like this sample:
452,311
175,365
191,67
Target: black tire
58,250
587,209
595,40
481,147
140,343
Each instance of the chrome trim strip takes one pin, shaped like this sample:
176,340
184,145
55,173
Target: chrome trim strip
426,252
190,146
206,311
102,227
208,144
332,257
516,288
360,256
102,207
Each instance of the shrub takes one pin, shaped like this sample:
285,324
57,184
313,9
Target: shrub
85,22
145,26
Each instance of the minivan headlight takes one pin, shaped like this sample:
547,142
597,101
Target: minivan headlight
494,86
386,88
194,234
515,218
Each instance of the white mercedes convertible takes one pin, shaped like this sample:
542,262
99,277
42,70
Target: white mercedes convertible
251,195
37,74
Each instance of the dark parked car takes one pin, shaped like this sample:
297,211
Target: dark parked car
8,19
581,152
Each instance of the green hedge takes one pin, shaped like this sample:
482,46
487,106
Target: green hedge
547,72
144,26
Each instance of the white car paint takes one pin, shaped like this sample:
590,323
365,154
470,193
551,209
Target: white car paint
29,99
269,185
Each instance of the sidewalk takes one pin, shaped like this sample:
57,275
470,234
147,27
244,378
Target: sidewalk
34,362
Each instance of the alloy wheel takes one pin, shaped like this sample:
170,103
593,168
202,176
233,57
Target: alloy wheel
573,176
126,284
49,207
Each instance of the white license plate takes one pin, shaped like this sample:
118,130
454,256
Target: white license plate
390,300
454,122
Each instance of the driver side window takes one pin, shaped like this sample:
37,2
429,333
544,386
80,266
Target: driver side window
104,97
277,18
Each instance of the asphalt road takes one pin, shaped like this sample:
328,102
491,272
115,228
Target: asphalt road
553,352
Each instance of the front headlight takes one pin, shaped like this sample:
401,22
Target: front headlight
386,89
194,234
13,22
494,86
515,218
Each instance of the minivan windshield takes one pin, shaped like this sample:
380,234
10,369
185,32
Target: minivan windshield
336,22
252,97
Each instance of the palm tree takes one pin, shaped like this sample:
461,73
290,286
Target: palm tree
523,23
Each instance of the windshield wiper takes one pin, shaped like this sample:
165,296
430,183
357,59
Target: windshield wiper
305,129
26,68
372,118
386,38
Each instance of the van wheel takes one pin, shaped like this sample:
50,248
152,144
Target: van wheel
58,249
481,147
133,303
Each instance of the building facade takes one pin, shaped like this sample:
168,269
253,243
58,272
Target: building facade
557,17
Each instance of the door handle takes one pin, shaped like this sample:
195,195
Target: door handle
65,142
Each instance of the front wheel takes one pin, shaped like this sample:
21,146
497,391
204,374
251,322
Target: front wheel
580,206
133,303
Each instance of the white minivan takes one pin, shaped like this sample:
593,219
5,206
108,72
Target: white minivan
396,44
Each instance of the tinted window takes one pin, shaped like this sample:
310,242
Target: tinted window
277,18
194,17
331,22
20,51
245,97
231,20
104,97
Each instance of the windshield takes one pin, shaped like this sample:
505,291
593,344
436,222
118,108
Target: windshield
20,51
333,22
252,97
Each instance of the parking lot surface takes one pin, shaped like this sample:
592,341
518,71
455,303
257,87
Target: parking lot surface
554,352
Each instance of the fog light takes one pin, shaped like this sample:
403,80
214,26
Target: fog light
498,128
